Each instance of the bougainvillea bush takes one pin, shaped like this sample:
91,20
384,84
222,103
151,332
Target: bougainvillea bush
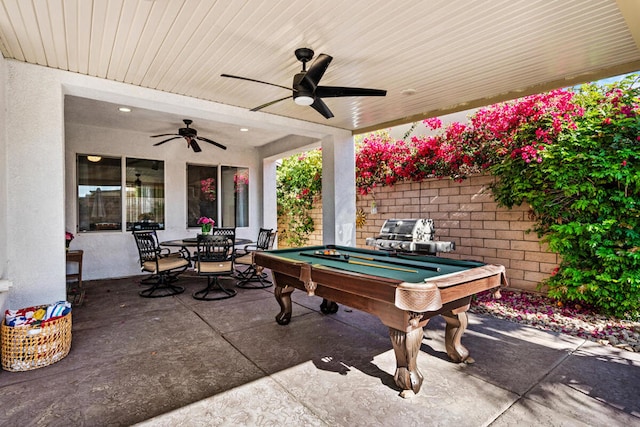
299,185
572,155
381,160
583,187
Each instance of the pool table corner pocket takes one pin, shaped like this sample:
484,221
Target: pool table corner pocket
418,297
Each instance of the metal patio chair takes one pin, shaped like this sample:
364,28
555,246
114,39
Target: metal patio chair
214,259
164,265
252,276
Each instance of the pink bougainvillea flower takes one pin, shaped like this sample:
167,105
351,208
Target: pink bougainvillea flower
433,123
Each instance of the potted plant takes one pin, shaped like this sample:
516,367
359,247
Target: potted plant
206,224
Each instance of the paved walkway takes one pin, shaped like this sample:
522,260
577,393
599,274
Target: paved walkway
180,362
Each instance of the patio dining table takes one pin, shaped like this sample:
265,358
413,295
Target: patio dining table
192,242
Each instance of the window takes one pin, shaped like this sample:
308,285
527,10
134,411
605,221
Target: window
99,193
145,194
210,188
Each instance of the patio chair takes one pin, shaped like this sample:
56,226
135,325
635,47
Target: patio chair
229,232
164,265
214,258
252,277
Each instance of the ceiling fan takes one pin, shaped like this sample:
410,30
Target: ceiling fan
190,134
306,89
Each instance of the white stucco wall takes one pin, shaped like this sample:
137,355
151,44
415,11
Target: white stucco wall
39,184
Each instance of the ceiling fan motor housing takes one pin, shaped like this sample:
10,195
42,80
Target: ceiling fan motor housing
187,132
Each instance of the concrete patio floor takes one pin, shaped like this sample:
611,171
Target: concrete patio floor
177,361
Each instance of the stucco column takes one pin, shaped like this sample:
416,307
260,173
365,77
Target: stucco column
338,190
269,198
35,196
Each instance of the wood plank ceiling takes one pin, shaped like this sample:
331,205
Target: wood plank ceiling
433,57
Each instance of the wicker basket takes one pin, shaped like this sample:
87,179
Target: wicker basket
28,347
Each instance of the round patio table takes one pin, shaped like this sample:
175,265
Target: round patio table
192,242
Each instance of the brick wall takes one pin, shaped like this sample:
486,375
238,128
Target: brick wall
465,214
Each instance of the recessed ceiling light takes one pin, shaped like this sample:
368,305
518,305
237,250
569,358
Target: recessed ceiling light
94,159
244,129
408,92
124,109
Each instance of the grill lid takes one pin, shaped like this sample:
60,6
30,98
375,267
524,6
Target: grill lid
414,230
409,236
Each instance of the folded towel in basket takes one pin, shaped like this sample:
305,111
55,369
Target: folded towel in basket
36,315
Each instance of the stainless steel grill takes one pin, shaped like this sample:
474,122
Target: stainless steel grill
410,236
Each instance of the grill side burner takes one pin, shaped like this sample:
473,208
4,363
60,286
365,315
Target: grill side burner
409,236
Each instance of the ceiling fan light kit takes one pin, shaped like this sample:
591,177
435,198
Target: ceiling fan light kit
306,90
303,100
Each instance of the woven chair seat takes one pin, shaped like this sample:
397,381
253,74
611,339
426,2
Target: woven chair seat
214,267
165,264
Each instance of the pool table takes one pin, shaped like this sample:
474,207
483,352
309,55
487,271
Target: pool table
404,291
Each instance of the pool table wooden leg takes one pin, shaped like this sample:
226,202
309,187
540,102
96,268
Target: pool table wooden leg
284,287
283,297
406,346
456,325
